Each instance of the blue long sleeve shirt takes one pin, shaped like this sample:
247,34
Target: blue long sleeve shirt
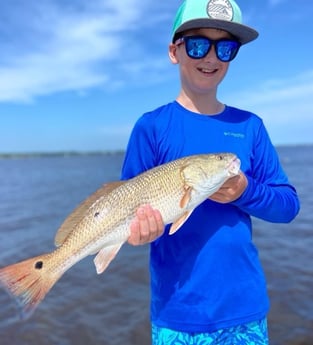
208,275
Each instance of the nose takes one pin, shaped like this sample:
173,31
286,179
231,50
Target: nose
211,54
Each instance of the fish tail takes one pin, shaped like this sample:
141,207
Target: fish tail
28,282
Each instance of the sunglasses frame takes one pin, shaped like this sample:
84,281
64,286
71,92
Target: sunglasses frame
211,43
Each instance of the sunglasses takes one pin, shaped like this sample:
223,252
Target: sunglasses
197,47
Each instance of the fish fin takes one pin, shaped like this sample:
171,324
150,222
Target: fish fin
28,282
186,197
105,256
179,222
79,213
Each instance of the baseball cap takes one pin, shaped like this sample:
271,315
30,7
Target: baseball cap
215,14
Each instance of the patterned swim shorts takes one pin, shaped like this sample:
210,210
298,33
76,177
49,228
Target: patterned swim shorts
253,333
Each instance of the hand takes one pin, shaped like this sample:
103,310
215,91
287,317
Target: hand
231,190
146,227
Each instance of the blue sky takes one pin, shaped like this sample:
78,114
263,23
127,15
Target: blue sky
76,74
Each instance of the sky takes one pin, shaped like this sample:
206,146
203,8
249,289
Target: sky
75,75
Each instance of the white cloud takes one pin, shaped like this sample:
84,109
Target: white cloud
293,92
284,105
69,47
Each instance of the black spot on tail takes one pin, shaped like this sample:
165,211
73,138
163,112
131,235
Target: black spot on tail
39,265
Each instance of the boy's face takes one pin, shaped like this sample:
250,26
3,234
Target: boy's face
200,75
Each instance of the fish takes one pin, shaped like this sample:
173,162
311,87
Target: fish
100,225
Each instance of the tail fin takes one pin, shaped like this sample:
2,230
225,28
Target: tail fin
28,282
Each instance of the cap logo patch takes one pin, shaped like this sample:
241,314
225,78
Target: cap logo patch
220,9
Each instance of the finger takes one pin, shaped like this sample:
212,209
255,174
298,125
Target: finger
155,221
217,198
150,218
134,238
144,226
221,196
149,225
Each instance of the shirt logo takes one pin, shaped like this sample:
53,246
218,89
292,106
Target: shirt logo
234,135
220,9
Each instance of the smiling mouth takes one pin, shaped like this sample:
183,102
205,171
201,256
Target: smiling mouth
207,70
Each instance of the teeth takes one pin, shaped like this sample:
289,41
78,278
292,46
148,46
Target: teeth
207,70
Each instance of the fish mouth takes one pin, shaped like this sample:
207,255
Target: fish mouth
234,166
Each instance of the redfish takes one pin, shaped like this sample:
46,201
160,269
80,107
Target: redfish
101,224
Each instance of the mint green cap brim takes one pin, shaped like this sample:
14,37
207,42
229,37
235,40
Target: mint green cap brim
224,15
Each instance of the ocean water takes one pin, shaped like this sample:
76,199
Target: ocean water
36,195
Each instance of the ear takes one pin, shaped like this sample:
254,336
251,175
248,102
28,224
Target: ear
172,53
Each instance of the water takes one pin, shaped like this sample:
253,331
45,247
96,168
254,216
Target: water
36,195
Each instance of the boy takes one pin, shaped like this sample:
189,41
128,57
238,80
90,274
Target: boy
207,284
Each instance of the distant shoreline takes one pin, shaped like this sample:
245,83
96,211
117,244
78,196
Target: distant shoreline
100,153
59,154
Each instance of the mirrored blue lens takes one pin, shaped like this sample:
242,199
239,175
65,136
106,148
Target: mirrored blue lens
226,50
197,47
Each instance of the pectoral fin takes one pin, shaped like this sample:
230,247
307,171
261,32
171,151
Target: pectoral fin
105,256
186,197
179,222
